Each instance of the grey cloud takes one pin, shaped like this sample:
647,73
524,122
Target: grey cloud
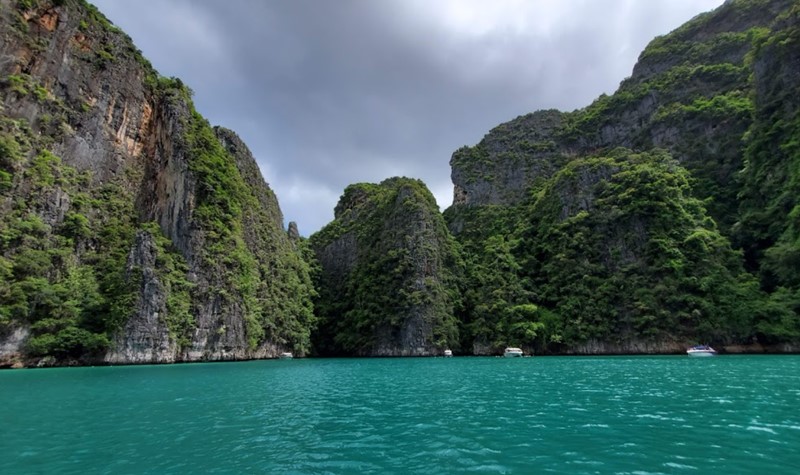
328,93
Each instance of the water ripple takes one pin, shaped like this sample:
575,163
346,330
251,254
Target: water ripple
643,415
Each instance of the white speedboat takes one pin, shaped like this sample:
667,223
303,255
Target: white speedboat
512,352
286,356
448,352
701,350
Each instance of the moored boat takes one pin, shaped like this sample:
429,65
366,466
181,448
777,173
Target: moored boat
448,352
512,352
286,356
701,350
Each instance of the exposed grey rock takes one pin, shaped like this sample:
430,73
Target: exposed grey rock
109,115
394,232
145,337
502,167
294,234
11,346
628,347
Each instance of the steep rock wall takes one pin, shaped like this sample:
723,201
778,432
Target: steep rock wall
145,336
689,93
560,253
387,283
97,147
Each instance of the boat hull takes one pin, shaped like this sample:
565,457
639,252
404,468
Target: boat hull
701,354
700,351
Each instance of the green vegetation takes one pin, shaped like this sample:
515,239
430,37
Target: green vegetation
68,278
272,283
492,284
769,225
10,156
24,84
27,4
691,232
72,297
619,245
612,248
403,271
633,256
66,237
171,270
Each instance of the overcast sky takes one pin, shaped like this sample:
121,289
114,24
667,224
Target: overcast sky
327,93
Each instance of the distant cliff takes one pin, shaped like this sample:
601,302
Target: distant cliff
388,273
131,231
660,215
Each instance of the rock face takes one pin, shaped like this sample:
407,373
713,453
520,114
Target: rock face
585,236
145,336
688,94
12,347
387,285
131,231
501,168
768,229
154,235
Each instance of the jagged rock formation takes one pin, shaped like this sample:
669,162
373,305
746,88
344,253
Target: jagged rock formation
688,94
590,265
132,232
501,168
387,285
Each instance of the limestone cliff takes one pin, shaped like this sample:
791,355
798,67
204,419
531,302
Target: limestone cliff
132,232
689,93
387,283
585,236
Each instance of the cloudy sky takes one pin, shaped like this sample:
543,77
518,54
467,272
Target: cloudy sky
332,92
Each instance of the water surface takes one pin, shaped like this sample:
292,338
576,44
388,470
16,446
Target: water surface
627,415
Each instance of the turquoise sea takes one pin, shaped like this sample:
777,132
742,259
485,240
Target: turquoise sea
633,415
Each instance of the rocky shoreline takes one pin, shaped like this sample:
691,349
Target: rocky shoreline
18,361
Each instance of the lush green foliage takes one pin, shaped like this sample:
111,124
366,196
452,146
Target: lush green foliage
769,226
617,247
404,265
67,281
494,292
632,255
272,281
612,248
66,236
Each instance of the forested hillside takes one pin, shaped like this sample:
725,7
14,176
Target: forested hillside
131,231
388,273
658,216
663,215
